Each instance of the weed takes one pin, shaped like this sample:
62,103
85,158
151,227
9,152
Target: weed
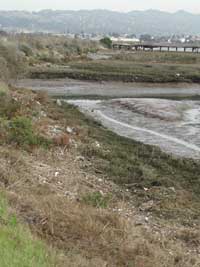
17,246
21,133
96,199
8,106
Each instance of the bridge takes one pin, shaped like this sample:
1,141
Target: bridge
192,48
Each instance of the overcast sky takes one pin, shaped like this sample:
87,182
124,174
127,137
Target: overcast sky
119,5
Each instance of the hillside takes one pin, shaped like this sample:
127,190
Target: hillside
102,21
94,198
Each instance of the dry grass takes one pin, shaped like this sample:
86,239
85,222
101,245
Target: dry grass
45,188
91,235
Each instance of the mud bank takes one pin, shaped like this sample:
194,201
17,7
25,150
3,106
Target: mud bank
174,126
69,88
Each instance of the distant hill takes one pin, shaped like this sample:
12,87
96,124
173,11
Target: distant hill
102,21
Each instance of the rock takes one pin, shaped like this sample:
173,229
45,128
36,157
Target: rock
97,144
56,174
140,220
80,158
69,130
173,189
43,114
58,102
147,206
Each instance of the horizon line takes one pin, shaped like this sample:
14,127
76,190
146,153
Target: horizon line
98,9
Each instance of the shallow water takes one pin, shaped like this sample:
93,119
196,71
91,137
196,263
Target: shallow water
68,87
177,132
174,126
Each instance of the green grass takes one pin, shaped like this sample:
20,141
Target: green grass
18,248
3,88
96,199
21,132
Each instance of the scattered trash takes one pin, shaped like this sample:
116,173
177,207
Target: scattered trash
58,102
69,130
43,114
56,174
97,144
173,189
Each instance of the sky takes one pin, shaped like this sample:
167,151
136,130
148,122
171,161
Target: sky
123,5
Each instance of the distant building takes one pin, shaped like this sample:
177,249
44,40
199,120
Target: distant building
125,40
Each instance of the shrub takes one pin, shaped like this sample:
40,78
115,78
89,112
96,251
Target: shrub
106,42
4,71
21,132
8,106
3,88
12,61
96,199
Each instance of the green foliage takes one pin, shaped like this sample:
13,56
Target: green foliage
17,246
3,88
106,41
97,200
21,132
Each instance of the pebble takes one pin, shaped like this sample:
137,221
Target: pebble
69,130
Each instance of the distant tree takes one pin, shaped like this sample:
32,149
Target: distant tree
145,37
132,35
106,41
3,33
115,34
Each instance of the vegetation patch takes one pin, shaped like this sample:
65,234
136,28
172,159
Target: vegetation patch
137,167
97,199
18,248
21,133
152,67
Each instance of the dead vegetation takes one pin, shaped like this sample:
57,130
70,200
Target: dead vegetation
72,205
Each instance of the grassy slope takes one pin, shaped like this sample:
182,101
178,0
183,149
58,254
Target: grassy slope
18,248
137,166
83,233
17,245
139,67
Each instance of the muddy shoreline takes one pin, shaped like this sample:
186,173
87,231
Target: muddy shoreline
77,88
146,117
